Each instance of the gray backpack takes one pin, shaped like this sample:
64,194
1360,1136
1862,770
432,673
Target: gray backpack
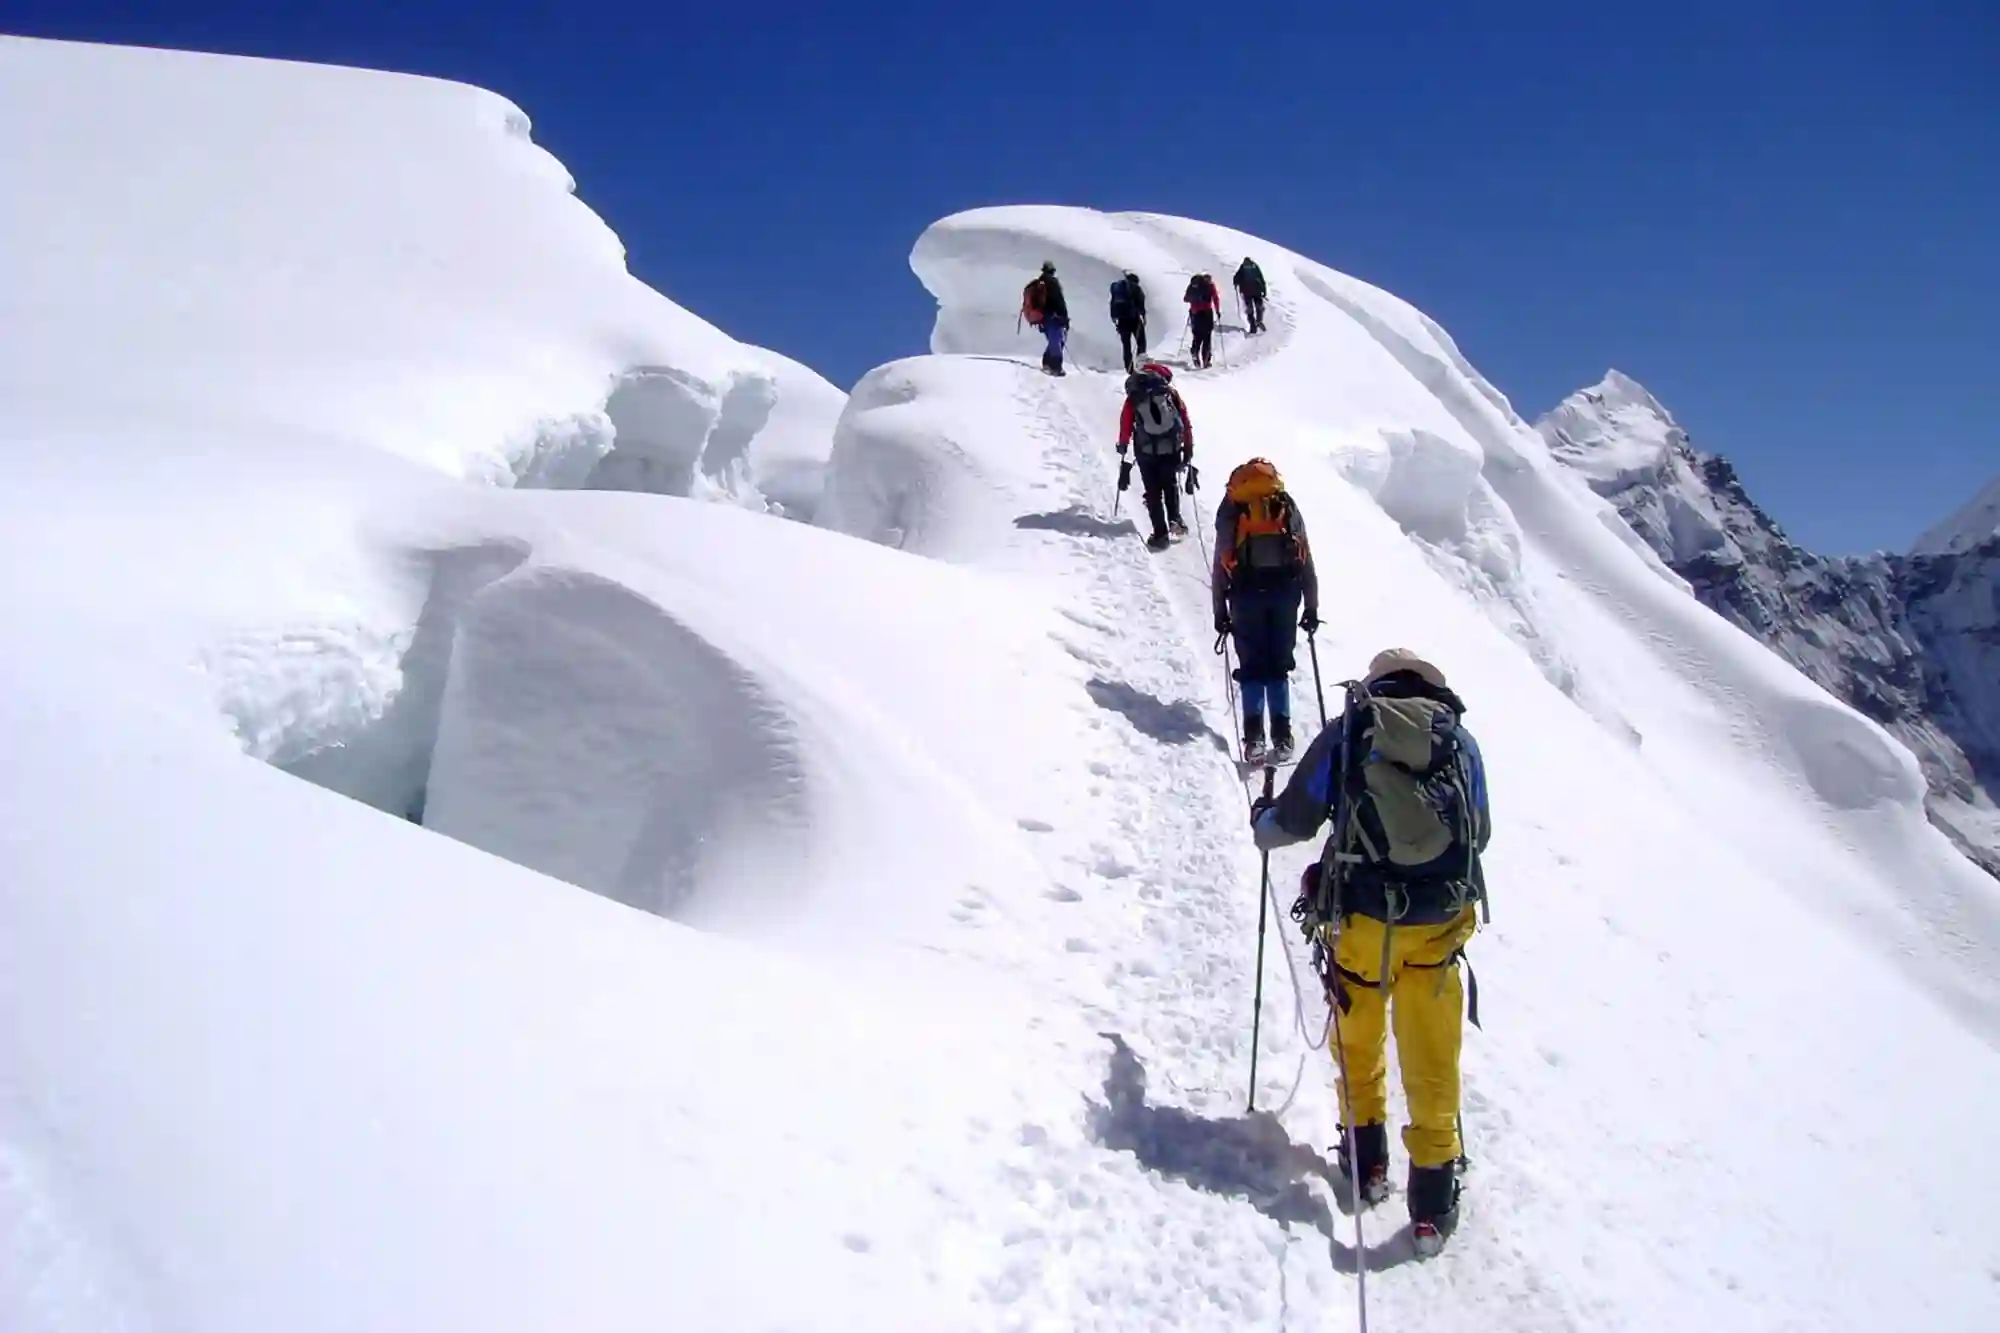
1156,423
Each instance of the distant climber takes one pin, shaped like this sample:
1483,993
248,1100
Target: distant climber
1250,290
1203,303
1043,306
1404,784
1128,316
1155,424
1262,574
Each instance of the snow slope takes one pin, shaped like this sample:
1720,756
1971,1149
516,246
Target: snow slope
934,1011
371,257
1695,838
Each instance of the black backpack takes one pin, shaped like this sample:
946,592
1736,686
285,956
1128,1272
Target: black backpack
1250,278
1123,307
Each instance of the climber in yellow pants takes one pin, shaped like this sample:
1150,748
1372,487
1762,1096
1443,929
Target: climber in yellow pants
1402,782
1425,1000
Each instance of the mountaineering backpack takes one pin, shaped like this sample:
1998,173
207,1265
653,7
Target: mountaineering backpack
1121,302
1250,278
1420,808
1034,300
1157,427
1201,293
1409,814
1266,546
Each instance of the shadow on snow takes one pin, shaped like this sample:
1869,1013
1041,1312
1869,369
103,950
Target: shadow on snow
1172,723
1248,1157
1078,522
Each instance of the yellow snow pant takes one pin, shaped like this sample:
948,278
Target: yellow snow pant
1426,997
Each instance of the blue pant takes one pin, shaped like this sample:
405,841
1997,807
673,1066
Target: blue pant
1056,330
1258,693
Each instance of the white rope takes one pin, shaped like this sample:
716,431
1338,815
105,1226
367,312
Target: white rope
1270,890
1329,1033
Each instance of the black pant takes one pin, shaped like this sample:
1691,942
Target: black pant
1266,624
1201,327
1161,474
1128,332
1253,310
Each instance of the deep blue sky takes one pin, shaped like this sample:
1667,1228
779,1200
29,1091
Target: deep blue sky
1782,218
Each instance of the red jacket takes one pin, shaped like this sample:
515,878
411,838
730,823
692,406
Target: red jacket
1213,301
1187,424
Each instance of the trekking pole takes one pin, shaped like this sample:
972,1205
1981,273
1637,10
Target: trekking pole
1263,915
1353,1167
1331,865
1312,646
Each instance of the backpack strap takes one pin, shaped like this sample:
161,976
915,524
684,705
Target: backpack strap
1458,955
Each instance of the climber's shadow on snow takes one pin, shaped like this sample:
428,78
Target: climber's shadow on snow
1077,522
1178,723
1248,1157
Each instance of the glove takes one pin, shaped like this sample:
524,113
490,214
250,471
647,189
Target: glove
1193,479
1310,622
1125,475
1121,450
1260,805
1222,624
1187,455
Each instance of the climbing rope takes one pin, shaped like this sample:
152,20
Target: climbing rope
1330,1030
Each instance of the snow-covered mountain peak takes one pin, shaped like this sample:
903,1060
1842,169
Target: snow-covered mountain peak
1973,523
1617,390
1906,640
1614,429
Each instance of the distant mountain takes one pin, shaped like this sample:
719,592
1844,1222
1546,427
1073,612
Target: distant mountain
1911,640
1971,525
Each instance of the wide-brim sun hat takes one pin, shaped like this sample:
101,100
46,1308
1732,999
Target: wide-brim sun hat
1392,660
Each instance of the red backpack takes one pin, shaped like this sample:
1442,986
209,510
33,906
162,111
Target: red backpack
1034,297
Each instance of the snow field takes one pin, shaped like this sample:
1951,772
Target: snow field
936,1013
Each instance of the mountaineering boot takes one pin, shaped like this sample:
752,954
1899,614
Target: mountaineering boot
1370,1184
1282,744
1176,528
1433,1206
1253,738
1157,542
